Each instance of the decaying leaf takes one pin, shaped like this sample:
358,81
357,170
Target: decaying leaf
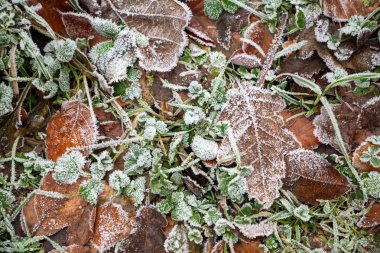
252,231
310,177
72,127
47,214
302,128
108,125
239,247
342,10
372,217
259,134
111,226
76,249
355,119
359,164
147,235
162,22
81,231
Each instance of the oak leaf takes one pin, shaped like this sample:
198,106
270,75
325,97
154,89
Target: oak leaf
371,218
310,177
72,127
147,234
258,130
111,226
46,215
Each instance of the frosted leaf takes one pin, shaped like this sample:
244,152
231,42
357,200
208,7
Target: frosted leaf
133,91
204,149
217,60
118,180
63,49
181,211
212,216
49,86
257,230
136,190
232,183
310,177
342,10
193,116
6,200
64,78
173,147
321,30
90,190
6,96
163,23
257,129
177,242
213,8
43,166
103,164
302,212
372,155
371,184
222,226
195,90
105,27
354,26
195,235
374,139
136,160
69,167
52,64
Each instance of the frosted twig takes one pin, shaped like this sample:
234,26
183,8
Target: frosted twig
12,56
272,50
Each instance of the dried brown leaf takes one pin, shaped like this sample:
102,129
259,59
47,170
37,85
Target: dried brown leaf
72,127
111,226
360,165
47,215
355,118
372,217
147,234
108,125
239,247
81,232
342,10
310,177
258,130
252,231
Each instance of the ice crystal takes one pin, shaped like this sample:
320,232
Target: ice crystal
6,200
371,184
354,26
177,240
49,86
136,160
103,164
213,8
105,27
90,190
212,216
217,60
302,212
204,149
232,184
118,180
63,49
321,30
195,235
193,116
257,230
173,147
152,126
222,226
372,155
33,161
64,78
6,96
136,190
69,167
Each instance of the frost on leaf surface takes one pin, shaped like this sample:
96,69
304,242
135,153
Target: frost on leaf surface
162,22
147,235
257,129
69,167
6,96
177,240
310,177
112,225
70,128
257,230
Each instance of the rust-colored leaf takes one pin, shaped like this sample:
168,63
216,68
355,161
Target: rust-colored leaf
355,118
76,249
302,128
147,235
342,10
258,130
47,215
108,125
80,232
372,217
111,226
72,127
310,177
239,247
360,165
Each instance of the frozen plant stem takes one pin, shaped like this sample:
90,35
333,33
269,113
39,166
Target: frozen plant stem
12,56
339,139
89,98
13,164
251,10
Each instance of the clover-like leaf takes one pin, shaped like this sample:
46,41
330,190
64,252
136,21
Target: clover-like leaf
162,22
258,132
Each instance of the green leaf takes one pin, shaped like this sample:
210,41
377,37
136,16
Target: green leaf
213,8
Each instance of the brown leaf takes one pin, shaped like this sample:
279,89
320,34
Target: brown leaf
357,163
239,247
342,10
72,127
372,217
108,125
147,235
111,226
47,215
258,130
201,28
355,118
310,177
302,128
304,67
252,231
163,22
80,232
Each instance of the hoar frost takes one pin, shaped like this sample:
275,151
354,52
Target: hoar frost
204,149
6,95
69,167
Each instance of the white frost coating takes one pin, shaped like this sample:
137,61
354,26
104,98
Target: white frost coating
69,167
321,30
256,230
6,95
193,116
177,240
118,180
105,27
204,149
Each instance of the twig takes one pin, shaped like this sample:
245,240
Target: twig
272,50
12,56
